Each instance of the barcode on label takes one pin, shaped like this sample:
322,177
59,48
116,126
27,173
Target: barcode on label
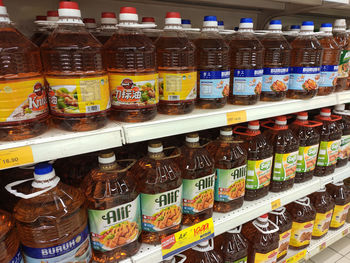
173,97
93,108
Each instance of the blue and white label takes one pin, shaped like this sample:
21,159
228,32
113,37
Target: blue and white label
328,77
247,81
275,79
304,78
17,258
214,84
76,250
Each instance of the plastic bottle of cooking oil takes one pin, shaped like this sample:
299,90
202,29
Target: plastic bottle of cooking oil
192,33
213,79
51,219
113,208
204,253
151,31
78,84
176,67
341,199
108,26
306,58
276,63
247,62
40,30
292,33
44,28
24,108
130,61
344,125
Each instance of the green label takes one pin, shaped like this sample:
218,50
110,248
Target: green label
344,149
161,211
328,153
307,157
343,70
285,166
258,173
198,194
230,183
115,227
242,260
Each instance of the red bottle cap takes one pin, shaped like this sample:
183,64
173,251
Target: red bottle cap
52,13
40,18
128,10
89,20
325,112
253,125
1,3
68,5
264,216
173,15
148,20
108,15
302,115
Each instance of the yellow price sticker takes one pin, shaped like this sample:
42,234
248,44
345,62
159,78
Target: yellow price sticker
323,246
297,258
16,157
276,204
236,117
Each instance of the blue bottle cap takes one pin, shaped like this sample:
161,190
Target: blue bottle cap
326,25
294,27
246,20
43,168
275,22
220,23
236,28
307,23
210,18
185,21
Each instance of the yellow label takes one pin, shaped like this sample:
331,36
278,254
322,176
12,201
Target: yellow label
340,213
301,233
236,117
322,246
321,224
16,157
297,258
78,95
284,243
22,100
128,91
180,241
177,86
276,204
266,258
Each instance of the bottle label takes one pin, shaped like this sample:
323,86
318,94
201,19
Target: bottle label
78,95
307,157
304,78
321,224
301,233
198,194
177,86
343,71
230,183
247,81
329,75
275,79
242,260
328,153
284,243
17,258
129,91
285,166
23,100
340,213
258,173
76,250
344,148
214,84
115,227
161,211
270,257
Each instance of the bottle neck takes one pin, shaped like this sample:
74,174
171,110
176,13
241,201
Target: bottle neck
226,137
156,156
173,27
274,31
192,144
306,33
210,29
245,30
108,166
72,21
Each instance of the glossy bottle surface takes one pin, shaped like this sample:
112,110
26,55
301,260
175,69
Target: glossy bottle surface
341,198
342,38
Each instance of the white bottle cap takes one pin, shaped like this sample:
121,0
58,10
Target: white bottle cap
173,18
106,160
275,25
339,25
339,107
192,139
69,9
152,149
226,133
128,14
108,18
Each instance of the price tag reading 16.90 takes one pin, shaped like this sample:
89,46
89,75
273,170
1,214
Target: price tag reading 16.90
15,157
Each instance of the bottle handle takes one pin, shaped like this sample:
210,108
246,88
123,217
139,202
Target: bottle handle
257,225
183,258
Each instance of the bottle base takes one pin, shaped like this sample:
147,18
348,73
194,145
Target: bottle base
189,220
86,123
252,195
273,96
244,100
303,177
324,170
298,248
323,91
277,187
301,95
224,207
137,115
155,238
342,162
211,103
176,108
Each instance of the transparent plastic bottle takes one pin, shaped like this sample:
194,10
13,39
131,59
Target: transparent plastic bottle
212,54
341,199
45,27
192,33
90,24
40,30
150,29
24,109
78,83
203,253
276,63
306,58
108,26
247,62
113,205
176,67
292,33
130,60
344,125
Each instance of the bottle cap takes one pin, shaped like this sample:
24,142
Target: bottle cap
3,9
69,9
52,15
275,25
40,18
281,120
325,112
186,23
226,131
264,218
307,26
192,137
302,116
339,107
221,23
253,125
90,22
109,18
148,20
107,157
155,147
246,23
43,172
210,21
173,18
295,27
339,25
128,14
326,27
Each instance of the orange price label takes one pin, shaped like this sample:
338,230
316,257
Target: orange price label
16,157
236,117
276,204
297,258
323,246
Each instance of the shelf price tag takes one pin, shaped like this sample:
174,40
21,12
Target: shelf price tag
297,258
236,117
323,246
16,156
345,232
186,238
276,204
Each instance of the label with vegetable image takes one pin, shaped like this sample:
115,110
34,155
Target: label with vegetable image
177,86
214,84
270,257
230,183
284,243
258,173
304,78
340,213
328,153
322,222
17,258
329,74
247,81
275,79
301,233
161,211
307,157
285,166
129,91
78,95
115,227
344,148
343,71
198,194
242,260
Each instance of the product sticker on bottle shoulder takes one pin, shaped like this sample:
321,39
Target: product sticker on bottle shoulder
343,71
115,227
270,257
258,173
23,100
161,211
304,78
177,86
198,194
247,81
230,183
78,95
134,91
328,153
307,157
76,250
329,74
285,166
340,213
17,258
301,233
344,148
275,79
214,84
242,260
284,243
321,224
